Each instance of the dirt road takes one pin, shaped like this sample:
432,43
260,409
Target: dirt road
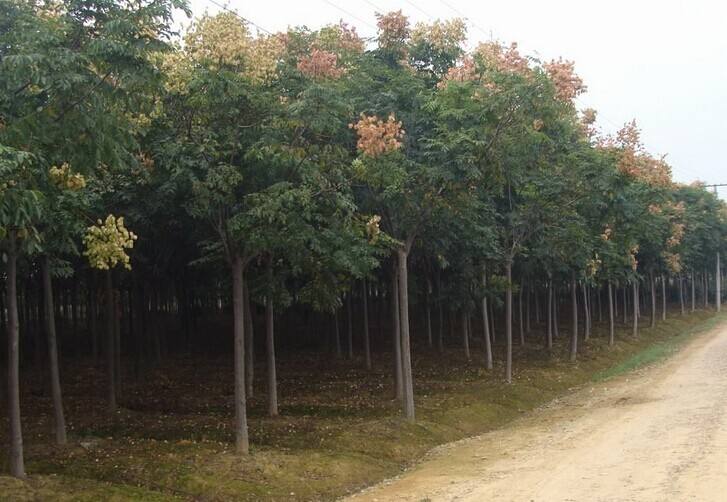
659,434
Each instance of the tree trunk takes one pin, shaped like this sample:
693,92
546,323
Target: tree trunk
396,325
574,308
407,377
242,442
428,313
663,298
508,322
465,335
634,288
718,285
17,464
270,349
652,285
528,297
586,313
110,339
681,295
694,293
486,324
520,314
705,282
625,306
600,306
367,342
611,331
349,323
59,420
337,333
549,330
249,344
556,332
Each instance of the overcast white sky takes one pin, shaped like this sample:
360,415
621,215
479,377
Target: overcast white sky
663,63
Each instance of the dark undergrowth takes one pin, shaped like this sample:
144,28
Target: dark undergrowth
339,428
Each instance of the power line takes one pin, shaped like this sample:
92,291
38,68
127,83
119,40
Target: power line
467,18
225,8
350,14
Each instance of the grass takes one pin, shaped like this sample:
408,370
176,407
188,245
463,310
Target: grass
339,430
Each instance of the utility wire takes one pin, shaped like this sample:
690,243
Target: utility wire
227,9
354,16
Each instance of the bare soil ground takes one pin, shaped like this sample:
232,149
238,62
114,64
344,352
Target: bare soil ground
653,435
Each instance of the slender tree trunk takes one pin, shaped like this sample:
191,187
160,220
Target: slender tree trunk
694,293
528,297
59,420
17,464
249,343
634,288
652,285
718,285
465,335
396,325
520,314
600,307
486,323
663,298
337,333
537,308
428,313
110,340
586,313
625,306
611,331
681,295
705,282
92,315
349,323
242,442
556,332
549,330
407,377
574,308
508,321
270,348
366,340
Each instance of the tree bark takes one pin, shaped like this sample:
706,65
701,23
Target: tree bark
396,324
528,297
407,377
465,335
59,420
549,330
508,321
634,288
652,285
349,324
694,293
270,348
110,340
520,314
681,295
242,442
428,313
486,324
663,298
611,331
366,340
17,463
249,344
586,313
337,333
574,308
718,285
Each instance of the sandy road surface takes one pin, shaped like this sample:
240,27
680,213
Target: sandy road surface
656,435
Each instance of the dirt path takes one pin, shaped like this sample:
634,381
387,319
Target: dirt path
656,435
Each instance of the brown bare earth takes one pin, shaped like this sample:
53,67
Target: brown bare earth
653,435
